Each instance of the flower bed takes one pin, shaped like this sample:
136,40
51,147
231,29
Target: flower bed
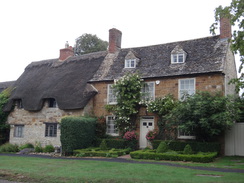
89,152
174,156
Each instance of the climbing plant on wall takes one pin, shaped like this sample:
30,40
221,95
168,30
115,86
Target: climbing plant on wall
128,93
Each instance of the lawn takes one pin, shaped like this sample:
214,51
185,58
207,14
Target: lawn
65,170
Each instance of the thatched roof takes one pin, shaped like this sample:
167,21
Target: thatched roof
65,81
204,55
5,85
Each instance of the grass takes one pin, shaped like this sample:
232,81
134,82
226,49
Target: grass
31,169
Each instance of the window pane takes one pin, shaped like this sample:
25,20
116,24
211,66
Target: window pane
180,58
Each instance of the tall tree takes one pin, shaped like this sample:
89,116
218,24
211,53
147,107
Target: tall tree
88,43
235,13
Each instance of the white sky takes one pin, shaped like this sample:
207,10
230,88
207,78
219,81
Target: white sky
33,30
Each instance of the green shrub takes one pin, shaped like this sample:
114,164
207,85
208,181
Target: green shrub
38,149
162,148
7,147
196,146
89,152
116,143
187,149
201,157
48,149
103,145
77,133
28,145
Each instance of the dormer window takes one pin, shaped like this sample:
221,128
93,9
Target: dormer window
130,63
131,60
178,55
52,103
19,104
178,58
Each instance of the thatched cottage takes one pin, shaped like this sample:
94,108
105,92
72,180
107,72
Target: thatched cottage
78,85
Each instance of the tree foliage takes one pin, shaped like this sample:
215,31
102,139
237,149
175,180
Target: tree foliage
204,115
88,43
4,128
235,13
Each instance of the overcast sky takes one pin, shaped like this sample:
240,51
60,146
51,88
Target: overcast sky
34,30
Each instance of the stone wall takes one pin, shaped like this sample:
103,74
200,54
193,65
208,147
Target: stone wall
206,82
34,123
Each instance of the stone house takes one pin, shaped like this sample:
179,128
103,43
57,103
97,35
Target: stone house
78,85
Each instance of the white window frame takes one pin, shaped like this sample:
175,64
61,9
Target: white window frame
184,135
19,131
150,94
51,129
128,63
111,128
185,90
175,58
111,95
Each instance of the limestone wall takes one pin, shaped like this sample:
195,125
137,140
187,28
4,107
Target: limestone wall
34,124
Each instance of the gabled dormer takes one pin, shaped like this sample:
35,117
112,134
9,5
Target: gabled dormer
131,61
178,55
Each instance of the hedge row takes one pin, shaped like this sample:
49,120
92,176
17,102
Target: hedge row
77,133
203,158
196,146
100,153
118,143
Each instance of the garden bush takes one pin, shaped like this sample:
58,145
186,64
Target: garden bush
77,133
196,146
116,143
187,149
89,152
173,156
103,145
7,147
162,148
48,149
24,146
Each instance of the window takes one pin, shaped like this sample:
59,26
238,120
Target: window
148,91
130,63
51,130
19,104
52,103
186,87
177,58
112,99
184,135
111,126
19,131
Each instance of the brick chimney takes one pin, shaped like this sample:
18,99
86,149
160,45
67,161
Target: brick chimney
225,28
115,36
66,52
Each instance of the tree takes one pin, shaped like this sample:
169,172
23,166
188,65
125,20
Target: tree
88,43
204,115
4,128
235,13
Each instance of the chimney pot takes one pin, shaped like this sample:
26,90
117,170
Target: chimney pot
115,36
225,28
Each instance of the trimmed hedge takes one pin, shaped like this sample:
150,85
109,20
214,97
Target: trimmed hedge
173,156
77,133
196,146
100,153
113,143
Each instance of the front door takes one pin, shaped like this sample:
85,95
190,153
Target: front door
146,124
